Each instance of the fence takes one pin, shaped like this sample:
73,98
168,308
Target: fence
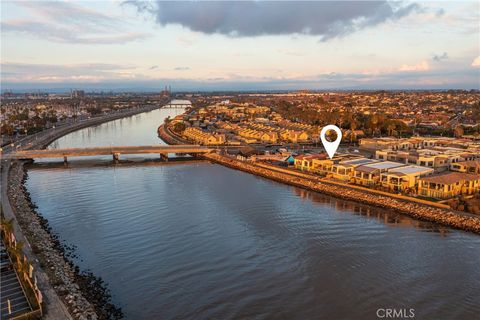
25,272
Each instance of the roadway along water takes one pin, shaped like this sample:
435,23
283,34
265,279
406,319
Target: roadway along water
197,241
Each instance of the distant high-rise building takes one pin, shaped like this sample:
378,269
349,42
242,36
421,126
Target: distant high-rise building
78,94
166,91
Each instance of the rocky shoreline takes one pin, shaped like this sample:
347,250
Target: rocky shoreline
415,210
85,295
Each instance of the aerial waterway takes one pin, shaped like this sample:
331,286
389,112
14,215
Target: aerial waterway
198,240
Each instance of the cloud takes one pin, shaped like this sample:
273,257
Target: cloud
422,66
440,57
69,13
19,72
66,22
122,77
326,19
181,68
291,52
153,67
476,62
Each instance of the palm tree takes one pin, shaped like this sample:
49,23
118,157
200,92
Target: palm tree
353,127
390,128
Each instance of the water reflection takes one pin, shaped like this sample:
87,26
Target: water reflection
386,216
200,241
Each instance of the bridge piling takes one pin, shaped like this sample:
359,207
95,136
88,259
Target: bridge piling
65,161
164,157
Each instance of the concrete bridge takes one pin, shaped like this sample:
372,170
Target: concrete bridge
174,104
115,151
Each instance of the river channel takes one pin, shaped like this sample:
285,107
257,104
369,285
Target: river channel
198,240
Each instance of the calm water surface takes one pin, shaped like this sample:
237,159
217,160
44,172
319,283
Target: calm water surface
197,241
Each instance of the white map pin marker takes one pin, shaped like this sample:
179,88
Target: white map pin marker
331,147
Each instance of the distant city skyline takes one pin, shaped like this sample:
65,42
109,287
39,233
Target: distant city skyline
138,45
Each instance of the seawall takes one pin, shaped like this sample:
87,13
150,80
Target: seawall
401,204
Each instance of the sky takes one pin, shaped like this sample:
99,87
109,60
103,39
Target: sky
239,45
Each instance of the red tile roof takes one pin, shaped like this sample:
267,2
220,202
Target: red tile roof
450,178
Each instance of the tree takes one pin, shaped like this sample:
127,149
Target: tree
179,127
390,129
353,127
458,131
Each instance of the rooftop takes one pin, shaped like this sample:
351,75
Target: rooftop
359,162
471,163
384,165
411,170
451,178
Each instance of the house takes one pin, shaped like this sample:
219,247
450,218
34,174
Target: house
472,166
369,174
294,136
439,160
247,153
305,162
271,137
344,169
403,178
199,136
448,185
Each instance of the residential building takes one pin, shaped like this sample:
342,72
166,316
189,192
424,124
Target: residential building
203,137
403,178
306,162
472,166
369,174
344,169
448,185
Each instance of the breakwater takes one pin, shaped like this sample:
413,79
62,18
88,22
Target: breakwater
52,255
415,210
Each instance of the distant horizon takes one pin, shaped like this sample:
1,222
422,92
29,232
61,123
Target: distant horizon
89,88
